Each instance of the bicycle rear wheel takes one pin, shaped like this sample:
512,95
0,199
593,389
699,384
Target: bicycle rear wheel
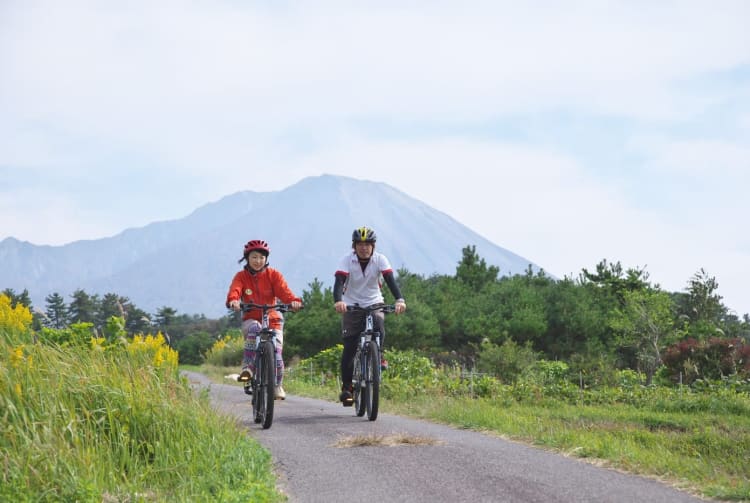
372,379
264,394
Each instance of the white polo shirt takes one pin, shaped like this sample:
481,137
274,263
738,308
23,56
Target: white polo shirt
363,288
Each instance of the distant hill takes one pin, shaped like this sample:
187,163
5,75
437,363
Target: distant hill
188,263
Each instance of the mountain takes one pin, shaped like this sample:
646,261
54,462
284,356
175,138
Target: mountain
188,263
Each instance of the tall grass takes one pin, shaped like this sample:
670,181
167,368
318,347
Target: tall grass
116,423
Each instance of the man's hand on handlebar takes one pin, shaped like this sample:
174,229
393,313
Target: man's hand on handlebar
295,305
400,306
234,305
340,306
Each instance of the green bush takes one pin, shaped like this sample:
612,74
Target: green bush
546,372
193,347
506,361
227,351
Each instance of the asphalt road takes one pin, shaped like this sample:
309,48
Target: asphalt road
310,442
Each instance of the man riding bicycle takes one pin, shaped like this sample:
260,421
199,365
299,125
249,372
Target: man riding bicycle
358,281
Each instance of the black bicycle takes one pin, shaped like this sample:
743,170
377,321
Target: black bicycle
366,375
262,386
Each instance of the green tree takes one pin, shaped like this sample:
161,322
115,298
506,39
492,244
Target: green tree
192,348
56,313
645,322
576,321
164,316
417,328
22,298
613,282
702,307
83,307
316,327
506,361
451,302
138,321
114,328
520,303
111,305
473,271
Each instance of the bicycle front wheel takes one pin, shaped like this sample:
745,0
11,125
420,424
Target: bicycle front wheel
266,375
358,383
372,379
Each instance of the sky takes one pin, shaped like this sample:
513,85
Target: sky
566,132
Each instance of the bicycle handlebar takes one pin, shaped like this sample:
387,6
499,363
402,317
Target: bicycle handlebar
386,308
249,306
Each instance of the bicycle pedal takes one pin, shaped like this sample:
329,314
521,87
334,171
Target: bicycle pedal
348,403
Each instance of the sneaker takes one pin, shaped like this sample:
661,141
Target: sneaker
383,364
248,388
280,394
246,375
346,396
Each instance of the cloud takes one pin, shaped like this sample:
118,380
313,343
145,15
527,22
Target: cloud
565,133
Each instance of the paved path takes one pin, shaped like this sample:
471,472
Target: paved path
308,444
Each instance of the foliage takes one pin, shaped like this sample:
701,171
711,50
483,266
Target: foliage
417,331
506,361
193,348
608,319
77,334
56,315
14,319
690,359
315,327
473,271
644,322
113,421
325,365
114,328
227,351
545,372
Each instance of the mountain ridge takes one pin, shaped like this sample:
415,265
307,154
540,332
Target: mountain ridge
187,263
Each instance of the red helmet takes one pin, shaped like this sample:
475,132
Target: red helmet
256,245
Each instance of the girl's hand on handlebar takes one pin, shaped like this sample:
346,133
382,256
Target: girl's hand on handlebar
340,306
295,305
234,305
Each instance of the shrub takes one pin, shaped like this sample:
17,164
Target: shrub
713,359
193,347
546,372
506,361
227,351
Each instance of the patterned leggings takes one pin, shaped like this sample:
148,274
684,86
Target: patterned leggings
251,328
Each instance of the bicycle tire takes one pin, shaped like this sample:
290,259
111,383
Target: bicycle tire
264,399
357,380
258,400
269,376
372,379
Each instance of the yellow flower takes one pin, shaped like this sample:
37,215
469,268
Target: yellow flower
16,357
13,318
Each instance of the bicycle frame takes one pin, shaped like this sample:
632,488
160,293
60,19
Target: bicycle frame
366,373
263,384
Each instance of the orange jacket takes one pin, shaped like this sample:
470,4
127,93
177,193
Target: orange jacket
262,287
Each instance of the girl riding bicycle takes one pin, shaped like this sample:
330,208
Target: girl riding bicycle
260,284
358,281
